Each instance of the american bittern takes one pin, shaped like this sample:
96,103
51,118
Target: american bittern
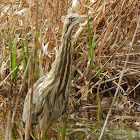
51,92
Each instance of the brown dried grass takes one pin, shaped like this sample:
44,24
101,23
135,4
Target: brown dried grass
115,23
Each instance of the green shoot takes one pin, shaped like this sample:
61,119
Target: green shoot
108,89
91,43
63,128
99,108
98,73
129,134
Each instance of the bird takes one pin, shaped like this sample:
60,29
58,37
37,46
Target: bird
51,92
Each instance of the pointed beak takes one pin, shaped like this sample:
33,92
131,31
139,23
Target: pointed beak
81,17
78,18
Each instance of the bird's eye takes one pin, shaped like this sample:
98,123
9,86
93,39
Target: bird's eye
70,18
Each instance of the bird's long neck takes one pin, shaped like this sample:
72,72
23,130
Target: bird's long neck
65,59
62,64
58,78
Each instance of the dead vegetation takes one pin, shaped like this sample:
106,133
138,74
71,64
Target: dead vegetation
93,85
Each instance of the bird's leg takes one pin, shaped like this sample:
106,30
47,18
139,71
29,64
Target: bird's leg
25,135
32,134
44,128
26,131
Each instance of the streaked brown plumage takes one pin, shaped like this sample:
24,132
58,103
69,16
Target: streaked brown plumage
51,92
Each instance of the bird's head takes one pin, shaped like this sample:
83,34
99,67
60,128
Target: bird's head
70,21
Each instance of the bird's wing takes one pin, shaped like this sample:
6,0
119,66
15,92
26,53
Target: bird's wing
41,95
36,104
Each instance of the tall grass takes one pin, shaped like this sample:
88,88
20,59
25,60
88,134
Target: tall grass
63,128
114,22
15,58
91,42
36,70
25,49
